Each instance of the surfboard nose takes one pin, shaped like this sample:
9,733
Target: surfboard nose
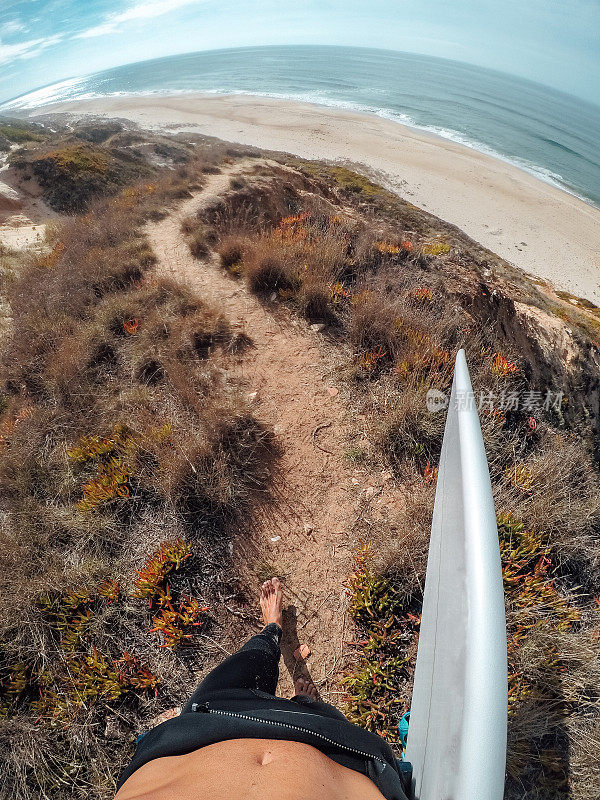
457,736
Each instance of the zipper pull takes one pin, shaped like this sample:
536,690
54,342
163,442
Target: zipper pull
201,707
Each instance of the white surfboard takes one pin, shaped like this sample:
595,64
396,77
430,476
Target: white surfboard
457,732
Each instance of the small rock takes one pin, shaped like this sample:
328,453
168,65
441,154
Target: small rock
369,492
332,391
273,297
318,327
308,529
252,396
355,481
302,652
275,538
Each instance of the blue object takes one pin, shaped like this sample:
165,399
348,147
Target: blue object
403,730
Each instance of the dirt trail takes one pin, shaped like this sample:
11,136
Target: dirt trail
317,498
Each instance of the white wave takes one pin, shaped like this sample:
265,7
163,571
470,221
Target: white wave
541,173
56,92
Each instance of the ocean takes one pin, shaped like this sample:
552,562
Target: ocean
552,135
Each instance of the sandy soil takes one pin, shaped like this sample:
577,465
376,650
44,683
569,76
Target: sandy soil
22,234
23,214
535,226
305,530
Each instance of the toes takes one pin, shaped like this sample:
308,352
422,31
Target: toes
307,687
270,587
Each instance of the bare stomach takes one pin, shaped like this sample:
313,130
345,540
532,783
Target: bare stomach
253,769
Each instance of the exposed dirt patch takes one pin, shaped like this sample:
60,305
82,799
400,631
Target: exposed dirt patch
305,530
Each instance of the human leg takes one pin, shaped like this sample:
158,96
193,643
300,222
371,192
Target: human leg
256,664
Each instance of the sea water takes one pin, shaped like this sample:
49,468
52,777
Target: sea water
550,134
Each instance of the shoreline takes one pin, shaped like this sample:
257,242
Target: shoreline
538,172
534,225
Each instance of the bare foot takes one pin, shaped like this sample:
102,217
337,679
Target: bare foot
271,601
306,686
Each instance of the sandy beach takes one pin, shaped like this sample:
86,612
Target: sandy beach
533,225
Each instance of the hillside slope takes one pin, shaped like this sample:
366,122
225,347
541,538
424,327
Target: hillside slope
220,373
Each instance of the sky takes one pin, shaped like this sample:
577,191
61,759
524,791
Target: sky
554,42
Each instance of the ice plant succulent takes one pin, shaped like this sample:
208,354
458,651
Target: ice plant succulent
150,578
374,699
387,248
503,367
78,676
538,605
131,326
430,473
174,623
436,248
422,293
112,457
368,361
339,292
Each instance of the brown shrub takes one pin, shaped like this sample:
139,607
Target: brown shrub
198,245
231,250
314,301
400,546
555,490
375,323
407,434
268,267
266,273
257,206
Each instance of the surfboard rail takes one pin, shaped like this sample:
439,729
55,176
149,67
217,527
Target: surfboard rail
457,733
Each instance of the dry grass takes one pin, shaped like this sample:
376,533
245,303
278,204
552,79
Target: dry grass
231,253
118,432
556,490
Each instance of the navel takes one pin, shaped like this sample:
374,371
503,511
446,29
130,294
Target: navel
265,758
